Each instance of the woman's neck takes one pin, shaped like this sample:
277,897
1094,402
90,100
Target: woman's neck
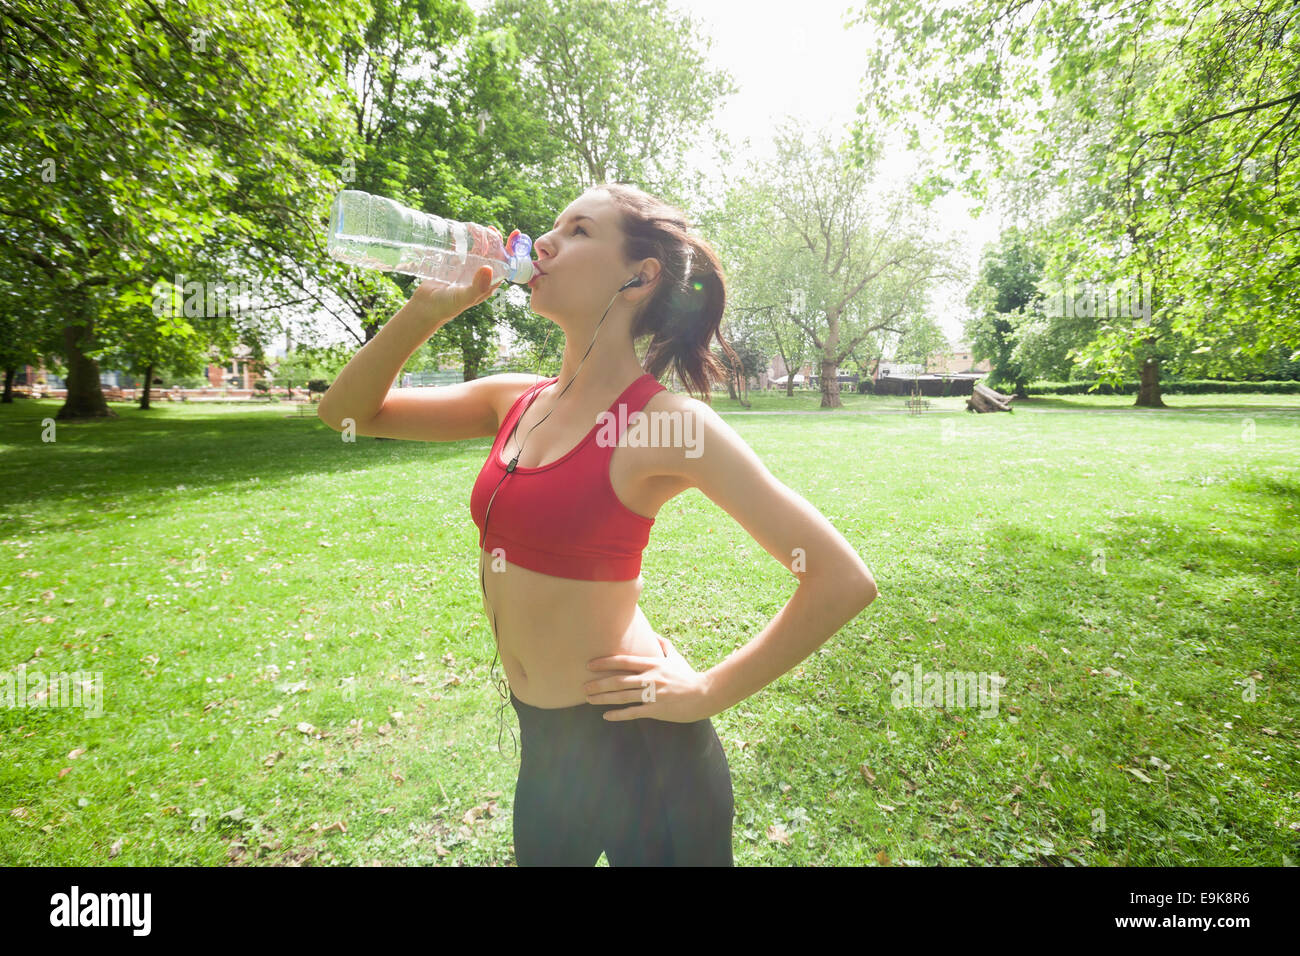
605,371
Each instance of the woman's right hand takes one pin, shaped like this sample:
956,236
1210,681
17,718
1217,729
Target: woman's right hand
444,302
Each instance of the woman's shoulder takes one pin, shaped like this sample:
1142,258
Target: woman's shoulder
675,427
670,401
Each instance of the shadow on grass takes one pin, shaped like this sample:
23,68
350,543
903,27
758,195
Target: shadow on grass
1179,615
1278,487
139,454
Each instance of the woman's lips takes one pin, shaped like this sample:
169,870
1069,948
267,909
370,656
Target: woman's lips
537,274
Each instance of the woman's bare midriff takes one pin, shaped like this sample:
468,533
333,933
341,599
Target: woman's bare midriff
548,628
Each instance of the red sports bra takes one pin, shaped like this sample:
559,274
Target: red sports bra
564,518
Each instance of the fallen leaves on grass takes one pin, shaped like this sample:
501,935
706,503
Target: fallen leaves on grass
1104,672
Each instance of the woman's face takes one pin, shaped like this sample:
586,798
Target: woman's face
580,261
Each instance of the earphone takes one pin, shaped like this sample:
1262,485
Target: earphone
502,688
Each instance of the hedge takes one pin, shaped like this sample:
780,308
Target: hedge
1189,387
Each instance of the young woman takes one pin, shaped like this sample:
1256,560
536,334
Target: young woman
618,750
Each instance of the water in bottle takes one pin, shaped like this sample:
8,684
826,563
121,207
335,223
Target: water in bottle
378,233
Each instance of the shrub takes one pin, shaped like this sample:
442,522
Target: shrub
1171,387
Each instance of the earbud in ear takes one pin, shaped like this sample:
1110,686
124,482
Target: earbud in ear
634,281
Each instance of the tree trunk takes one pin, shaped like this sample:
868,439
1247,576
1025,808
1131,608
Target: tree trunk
830,385
148,382
1149,388
789,377
85,395
10,374
985,399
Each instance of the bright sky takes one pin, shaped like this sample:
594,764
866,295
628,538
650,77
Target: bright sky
798,59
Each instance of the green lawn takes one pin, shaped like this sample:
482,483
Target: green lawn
295,657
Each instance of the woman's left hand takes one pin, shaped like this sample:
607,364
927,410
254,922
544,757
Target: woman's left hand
665,688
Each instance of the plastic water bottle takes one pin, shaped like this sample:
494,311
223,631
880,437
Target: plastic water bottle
379,233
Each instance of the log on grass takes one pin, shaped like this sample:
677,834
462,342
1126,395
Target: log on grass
984,399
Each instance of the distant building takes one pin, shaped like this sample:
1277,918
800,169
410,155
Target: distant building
241,368
954,365
775,374
958,359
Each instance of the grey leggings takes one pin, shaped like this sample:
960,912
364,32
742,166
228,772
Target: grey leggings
647,792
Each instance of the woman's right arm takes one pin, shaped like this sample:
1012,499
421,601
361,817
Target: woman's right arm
363,390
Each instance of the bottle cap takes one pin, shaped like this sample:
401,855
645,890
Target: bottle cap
520,262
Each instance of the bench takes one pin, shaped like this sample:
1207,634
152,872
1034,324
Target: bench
916,405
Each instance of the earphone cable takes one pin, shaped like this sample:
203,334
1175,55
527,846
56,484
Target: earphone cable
500,683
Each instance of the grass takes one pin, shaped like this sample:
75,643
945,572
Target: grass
295,657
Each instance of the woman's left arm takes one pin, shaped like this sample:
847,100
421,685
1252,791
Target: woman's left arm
834,583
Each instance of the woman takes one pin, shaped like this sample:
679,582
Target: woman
618,750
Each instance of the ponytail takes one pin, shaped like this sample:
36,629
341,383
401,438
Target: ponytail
685,312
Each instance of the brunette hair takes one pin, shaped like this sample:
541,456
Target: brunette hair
685,311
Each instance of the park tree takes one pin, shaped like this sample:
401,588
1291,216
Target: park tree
918,341
135,131
624,85
442,123
1188,116
1084,292
298,366
761,276
1009,273
856,260
743,359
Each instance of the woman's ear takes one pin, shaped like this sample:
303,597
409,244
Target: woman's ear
649,271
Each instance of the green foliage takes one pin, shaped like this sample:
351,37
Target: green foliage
147,141
306,362
824,263
1154,141
624,84
1188,387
